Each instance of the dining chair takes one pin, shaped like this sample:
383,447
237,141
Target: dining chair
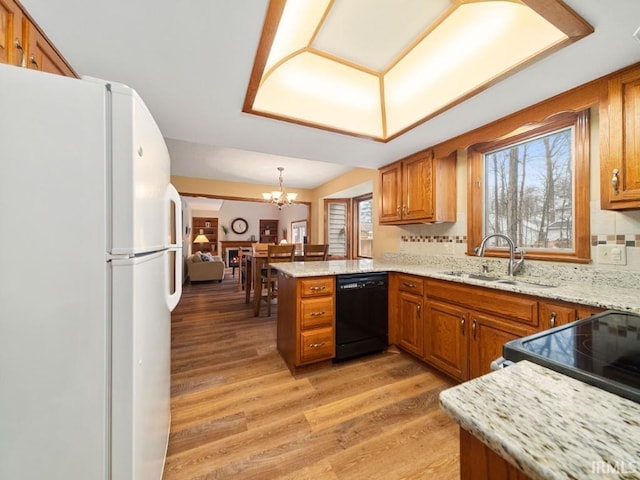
315,252
275,254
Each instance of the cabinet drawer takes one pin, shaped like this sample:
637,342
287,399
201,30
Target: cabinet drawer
317,344
316,312
513,306
411,283
316,286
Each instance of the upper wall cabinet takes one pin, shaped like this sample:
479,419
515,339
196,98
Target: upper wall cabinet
418,189
23,44
620,141
11,48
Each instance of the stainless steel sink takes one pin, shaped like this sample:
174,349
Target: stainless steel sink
527,283
521,282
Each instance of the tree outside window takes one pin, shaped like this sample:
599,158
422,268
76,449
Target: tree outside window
528,191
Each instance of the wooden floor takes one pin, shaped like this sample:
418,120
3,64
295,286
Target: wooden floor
237,412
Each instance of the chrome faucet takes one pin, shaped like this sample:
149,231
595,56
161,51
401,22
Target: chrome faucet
514,265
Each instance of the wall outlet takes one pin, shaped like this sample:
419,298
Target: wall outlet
612,254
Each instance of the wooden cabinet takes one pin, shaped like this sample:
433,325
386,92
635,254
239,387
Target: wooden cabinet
23,44
408,302
208,226
620,141
446,332
268,231
306,319
466,326
479,462
11,42
420,188
488,333
554,313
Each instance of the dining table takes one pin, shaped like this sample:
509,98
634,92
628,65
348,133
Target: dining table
256,261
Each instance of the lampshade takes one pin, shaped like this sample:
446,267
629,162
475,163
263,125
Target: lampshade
201,238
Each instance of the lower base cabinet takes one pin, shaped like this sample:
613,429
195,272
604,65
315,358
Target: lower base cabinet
479,462
306,320
446,338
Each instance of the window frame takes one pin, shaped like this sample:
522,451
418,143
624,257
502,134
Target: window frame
356,201
581,191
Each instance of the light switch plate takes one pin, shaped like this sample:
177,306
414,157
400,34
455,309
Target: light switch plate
612,254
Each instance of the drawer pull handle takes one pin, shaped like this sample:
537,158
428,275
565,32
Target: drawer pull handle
552,320
34,62
474,326
317,314
419,309
462,321
18,44
317,289
409,285
614,180
316,345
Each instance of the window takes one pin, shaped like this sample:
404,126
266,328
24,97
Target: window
533,185
336,230
363,225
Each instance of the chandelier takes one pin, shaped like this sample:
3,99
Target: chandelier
280,197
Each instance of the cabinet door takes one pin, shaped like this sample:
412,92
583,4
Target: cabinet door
11,41
417,178
554,314
390,193
445,338
488,335
621,163
42,56
410,323
479,462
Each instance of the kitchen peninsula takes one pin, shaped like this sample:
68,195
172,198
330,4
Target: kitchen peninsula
528,422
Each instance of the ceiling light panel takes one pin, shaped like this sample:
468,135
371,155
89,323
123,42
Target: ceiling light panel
373,33
297,26
474,45
378,68
315,89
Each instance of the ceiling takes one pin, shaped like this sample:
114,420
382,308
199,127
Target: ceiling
191,63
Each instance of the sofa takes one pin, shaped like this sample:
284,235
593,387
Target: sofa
204,266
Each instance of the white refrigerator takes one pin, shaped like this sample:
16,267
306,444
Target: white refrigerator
90,269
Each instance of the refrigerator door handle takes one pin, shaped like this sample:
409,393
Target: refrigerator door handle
173,282
173,290
173,198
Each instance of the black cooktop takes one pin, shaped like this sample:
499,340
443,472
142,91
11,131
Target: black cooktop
603,350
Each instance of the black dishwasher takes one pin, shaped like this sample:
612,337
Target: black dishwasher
361,314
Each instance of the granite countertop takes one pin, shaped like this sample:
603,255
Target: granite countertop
549,425
604,289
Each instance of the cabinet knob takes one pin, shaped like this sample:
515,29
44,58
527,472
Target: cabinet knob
615,181
552,319
419,309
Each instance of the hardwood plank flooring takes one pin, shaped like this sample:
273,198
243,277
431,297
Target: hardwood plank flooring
238,413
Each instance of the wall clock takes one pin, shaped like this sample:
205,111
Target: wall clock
239,225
